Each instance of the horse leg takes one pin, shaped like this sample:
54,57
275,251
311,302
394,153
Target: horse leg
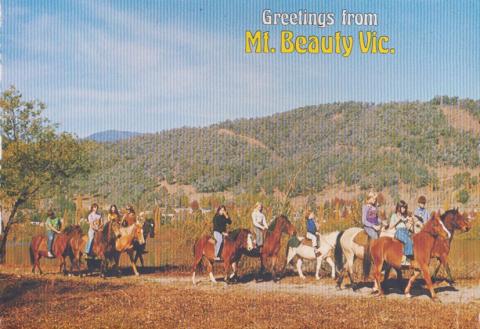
437,269
234,271
291,254
226,267
299,268
416,273
319,265
330,262
134,267
210,271
63,266
274,271
428,280
196,262
449,273
349,267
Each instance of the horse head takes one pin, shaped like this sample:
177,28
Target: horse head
436,227
149,228
138,233
243,239
454,220
286,226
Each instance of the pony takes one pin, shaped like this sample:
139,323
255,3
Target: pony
453,220
103,247
390,251
60,248
148,231
271,245
233,246
125,243
346,246
77,246
306,251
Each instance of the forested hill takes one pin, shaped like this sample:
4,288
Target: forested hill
369,145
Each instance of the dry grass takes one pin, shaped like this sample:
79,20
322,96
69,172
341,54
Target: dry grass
87,303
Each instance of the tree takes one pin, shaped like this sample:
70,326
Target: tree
37,161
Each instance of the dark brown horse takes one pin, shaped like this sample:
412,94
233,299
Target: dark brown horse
271,244
390,251
233,246
453,221
103,247
60,248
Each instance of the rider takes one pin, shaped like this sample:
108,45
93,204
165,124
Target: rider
114,217
95,221
421,211
312,230
220,221
52,224
259,224
399,221
370,218
130,217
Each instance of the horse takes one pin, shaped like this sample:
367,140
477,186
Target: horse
271,245
233,245
60,248
390,251
77,245
346,246
148,231
453,220
103,247
125,243
306,251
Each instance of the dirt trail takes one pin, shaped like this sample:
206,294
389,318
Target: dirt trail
249,140
462,293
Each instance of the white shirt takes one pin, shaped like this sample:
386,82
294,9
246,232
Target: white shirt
259,220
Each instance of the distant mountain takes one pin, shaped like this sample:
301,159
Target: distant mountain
112,135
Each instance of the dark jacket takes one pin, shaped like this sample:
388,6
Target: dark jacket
220,223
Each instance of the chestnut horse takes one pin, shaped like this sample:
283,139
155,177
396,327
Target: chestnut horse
390,251
271,244
60,248
453,220
233,246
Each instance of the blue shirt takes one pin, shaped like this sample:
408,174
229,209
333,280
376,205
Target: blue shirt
422,213
311,227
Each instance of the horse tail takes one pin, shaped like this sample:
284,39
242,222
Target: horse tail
339,252
367,260
32,256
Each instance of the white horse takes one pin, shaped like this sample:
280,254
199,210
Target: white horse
326,247
346,246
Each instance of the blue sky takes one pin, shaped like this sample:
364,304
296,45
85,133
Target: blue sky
146,67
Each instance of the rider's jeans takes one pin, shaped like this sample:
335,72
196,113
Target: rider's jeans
91,234
218,238
50,236
312,237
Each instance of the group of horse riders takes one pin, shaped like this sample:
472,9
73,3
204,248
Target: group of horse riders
401,222
221,219
95,221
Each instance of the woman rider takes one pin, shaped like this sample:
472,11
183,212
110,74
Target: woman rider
259,224
312,231
52,224
114,217
95,222
130,217
220,221
370,218
399,221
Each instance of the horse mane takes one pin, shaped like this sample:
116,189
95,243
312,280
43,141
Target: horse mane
448,212
72,228
274,223
105,231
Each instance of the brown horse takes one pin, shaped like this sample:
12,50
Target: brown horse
390,250
453,220
271,244
233,246
103,247
77,245
60,248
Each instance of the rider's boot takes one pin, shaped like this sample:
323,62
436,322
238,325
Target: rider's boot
405,261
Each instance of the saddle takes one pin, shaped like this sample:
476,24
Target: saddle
361,238
307,242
